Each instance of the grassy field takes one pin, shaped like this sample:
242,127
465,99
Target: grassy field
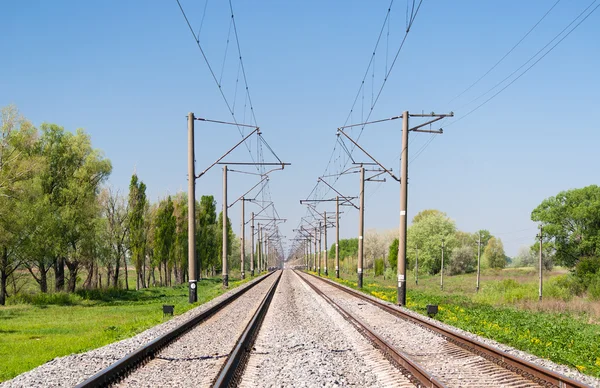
504,310
55,325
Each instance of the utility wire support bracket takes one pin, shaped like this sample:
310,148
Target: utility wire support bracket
340,130
346,199
266,178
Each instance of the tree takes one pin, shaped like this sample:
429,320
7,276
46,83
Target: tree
230,237
206,233
427,213
462,260
547,255
137,237
485,236
393,254
347,248
525,257
165,236
116,215
374,247
494,253
571,221
71,178
180,211
428,230
19,162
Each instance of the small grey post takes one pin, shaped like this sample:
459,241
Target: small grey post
252,245
403,219
243,242
224,220
337,237
442,269
478,261
193,291
361,227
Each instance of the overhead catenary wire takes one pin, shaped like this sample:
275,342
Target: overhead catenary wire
534,63
523,65
316,192
507,53
247,98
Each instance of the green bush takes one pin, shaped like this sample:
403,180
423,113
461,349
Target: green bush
43,299
389,273
586,268
594,287
562,287
379,267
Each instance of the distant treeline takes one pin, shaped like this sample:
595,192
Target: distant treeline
57,215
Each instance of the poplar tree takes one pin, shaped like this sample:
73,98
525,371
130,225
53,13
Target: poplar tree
137,230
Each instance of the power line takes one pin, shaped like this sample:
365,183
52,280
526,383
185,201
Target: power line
525,71
534,63
507,53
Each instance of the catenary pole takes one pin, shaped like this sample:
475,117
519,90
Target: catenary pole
478,261
224,220
361,227
192,272
337,237
243,242
325,242
540,265
320,247
252,245
403,218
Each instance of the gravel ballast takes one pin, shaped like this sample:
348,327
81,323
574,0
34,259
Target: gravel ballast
304,342
365,311
194,359
71,370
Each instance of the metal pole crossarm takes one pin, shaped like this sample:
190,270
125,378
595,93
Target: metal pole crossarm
317,200
347,199
369,155
255,164
438,131
253,187
263,209
351,170
432,114
371,122
226,122
227,153
371,179
425,124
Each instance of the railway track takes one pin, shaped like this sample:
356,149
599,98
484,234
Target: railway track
206,350
433,355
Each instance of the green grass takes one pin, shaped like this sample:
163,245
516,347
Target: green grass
564,338
55,325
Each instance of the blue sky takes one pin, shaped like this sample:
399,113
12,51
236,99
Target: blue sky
129,72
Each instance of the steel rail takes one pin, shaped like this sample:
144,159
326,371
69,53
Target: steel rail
417,372
135,359
527,369
236,360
